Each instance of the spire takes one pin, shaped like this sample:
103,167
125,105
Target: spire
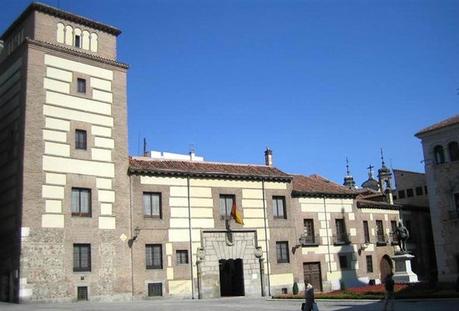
348,179
382,159
370,171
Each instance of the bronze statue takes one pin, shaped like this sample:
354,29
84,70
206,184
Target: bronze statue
402,234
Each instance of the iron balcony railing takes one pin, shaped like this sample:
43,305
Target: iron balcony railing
310,240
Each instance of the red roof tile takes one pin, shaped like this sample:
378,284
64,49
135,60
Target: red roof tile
205,169
439,125
315,185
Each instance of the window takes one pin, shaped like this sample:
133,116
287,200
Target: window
81,85
439,155
419,191
77,41
366,232
409,193
309,231
81,202
369,264
282,252
279,207
154,256
182,257
380,232
453,150
155,289
425,190
80,139
226,203
393,227
341,236
456,203
344,262
152,204
81,257
401,194
82,293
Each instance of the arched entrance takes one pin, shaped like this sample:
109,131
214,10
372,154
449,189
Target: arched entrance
385,267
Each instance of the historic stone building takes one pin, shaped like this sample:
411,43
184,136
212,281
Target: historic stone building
80,220
440,143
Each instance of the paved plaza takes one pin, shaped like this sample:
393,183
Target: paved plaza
227,304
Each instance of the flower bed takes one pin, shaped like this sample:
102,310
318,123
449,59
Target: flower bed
402,291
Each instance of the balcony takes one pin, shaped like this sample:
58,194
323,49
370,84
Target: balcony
341,239
381,239
310,240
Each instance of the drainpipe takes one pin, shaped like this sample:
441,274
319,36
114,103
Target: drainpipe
328,237
131,235
191,240
266,236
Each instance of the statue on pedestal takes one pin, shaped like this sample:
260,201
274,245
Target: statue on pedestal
402,234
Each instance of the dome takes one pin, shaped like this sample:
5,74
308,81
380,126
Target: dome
371,183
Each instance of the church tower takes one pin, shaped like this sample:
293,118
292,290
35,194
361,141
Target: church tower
384,178
348,179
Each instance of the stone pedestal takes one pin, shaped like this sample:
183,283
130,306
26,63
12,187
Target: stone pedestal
403,272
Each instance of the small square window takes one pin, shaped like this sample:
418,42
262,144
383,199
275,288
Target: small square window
81,85
182,257
155,289
81,140
401,194
77,41
82,293
282,252
409,193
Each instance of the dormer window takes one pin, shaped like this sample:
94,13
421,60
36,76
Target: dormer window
77,41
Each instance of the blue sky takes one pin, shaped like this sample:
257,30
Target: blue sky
314,80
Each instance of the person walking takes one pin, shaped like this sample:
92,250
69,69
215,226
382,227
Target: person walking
308,296
389,292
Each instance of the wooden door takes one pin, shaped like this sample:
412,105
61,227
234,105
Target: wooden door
313,274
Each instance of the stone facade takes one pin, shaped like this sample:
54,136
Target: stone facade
442,175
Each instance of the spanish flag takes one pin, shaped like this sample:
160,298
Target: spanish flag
235,214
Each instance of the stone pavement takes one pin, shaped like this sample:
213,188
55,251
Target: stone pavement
231,304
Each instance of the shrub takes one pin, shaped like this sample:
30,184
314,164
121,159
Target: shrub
295,288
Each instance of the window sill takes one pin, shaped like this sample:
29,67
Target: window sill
81,216
81,271
310,245
152,217
342,243
280,217
381,243
154,268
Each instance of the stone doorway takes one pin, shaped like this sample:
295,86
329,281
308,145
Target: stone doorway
230,268
385,267
231,277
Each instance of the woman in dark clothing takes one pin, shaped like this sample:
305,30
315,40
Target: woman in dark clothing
308,296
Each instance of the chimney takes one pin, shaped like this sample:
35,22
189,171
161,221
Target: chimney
268,157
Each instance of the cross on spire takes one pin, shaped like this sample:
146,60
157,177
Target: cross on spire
370,171
348,172
382,157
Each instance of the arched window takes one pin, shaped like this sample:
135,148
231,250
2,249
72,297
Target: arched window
453,150
85,40
439,154
68,35
77,38
60,32
93,42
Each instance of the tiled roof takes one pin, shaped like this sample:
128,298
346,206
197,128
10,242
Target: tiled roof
376,204
147,166
439,125
36,6
317,186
